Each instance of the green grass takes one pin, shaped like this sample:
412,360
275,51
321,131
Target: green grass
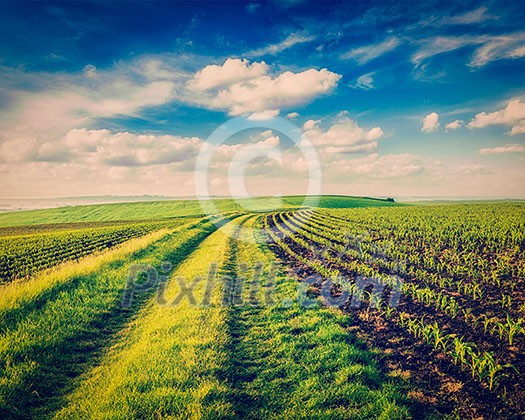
57,328
166,363
169,209
271,361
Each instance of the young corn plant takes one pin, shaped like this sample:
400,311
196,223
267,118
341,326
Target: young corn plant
510,328
506,301
459,351
487,321
388,311
466,314
440,340
485,367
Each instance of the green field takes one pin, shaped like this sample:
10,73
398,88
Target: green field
172,209
357,308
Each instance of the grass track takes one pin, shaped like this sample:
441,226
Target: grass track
166,363
49,345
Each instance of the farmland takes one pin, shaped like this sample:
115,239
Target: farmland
356,308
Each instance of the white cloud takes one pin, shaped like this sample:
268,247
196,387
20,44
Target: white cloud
370,52
293,115
365,82
264,115
233,70
517,129
509,148
290,41
430,123
343,136
130,149
248,88
488,48
90,70
513,115
454,125
442,44
510,46
387,166
102,148
59,102
309,124
474,16
158,68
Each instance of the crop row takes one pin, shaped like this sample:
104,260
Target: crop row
405,261
461,241
481,363
24,255
505,327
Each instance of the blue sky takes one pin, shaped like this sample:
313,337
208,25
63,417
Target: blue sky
398,99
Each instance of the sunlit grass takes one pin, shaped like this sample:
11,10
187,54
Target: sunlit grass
46,345
167,362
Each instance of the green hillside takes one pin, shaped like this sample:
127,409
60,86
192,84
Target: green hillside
176,208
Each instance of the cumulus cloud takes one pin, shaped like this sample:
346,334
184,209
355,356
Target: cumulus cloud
509,148
370,52
454,125
343,136
51,121
130,149
513,115
240,87
233,70
430,123
293,115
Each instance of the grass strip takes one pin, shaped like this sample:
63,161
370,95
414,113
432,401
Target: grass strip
166,363
47,348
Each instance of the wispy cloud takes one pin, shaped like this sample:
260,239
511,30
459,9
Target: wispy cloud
478,15
510,46
441,44
290,41
370,52
488,48
365,82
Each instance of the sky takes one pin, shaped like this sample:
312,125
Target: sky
396,99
